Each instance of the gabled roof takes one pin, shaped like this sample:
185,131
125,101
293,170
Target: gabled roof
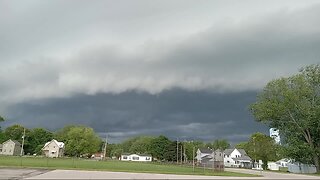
59,144
14,141
228,151
242,152
206,150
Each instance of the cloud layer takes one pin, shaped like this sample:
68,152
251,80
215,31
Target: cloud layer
176,113
233,55
78,61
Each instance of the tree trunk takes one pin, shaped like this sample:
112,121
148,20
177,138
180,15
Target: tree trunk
316,161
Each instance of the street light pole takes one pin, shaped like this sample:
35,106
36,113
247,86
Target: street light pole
105,148
23,136
193,158
177,150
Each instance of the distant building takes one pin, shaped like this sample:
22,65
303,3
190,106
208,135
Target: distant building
136,157
209,158
53,148
274,134
11,148
237,158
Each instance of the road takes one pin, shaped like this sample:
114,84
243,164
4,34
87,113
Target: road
7,173
18,173
274,175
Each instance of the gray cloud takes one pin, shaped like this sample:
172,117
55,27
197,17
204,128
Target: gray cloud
231,56
89,62
175,113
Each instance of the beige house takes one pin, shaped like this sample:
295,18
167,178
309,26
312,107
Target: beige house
53,149
209,158
11,148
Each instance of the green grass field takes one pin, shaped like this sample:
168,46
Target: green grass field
84,164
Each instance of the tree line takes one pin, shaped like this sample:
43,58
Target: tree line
79,140
162,148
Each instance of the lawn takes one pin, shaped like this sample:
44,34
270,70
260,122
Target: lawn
87,164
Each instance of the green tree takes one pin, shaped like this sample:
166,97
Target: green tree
220,144
2,137
242,145
190,145
141,145
162,148
37,139
15,132
261,146
292,105
80,140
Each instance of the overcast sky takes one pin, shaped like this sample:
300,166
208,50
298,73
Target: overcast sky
181,68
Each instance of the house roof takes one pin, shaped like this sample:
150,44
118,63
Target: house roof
242,151
15,142
228,151
128,154
206,150
207,157
60,144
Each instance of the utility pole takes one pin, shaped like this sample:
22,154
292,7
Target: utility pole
23,136
181,153
184,154
193,158
177,150
105,148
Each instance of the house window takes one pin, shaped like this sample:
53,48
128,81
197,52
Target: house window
124,157
228,161
147,158
135,158
54,146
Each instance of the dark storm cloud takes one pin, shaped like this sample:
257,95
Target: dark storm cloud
176,113
182,68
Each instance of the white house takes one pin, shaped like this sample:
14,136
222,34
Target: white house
136,157
11,148
237,158
53,148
